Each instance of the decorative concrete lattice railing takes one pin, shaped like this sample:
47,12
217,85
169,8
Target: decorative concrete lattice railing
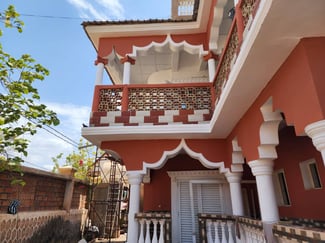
133,105
154,227
22,226
244,15
299,230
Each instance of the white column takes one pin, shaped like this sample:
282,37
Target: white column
99,73
262,169
212,69
234,179
126,72
135,179
316,131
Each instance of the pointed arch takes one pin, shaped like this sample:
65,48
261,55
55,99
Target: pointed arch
183,147
168,44
269,136
237,157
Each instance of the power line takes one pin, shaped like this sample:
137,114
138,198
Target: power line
54,131
27,162
53,17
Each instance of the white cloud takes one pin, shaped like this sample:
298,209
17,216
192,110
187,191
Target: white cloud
99,9
44,146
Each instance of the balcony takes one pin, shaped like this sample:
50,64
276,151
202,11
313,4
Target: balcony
156,227
129,105
187,107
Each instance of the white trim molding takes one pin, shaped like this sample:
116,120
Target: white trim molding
172,153
316,131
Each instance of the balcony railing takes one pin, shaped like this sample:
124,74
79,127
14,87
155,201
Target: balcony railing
226,229
184,9
132,105
154,227
216,228
244,15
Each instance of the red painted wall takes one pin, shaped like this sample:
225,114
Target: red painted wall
297,89
157,194
214,150
135,152
295,86
291,151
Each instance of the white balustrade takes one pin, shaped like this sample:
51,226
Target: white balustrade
161,235
219,231
253,235
148,226
216,230
141,237
185,7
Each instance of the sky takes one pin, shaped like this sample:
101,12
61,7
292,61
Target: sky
54,37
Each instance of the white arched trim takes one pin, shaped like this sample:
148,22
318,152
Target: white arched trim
269,136
170,44
172,153
316,131
237,157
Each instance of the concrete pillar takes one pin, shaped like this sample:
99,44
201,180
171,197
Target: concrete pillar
69,187
316,131
127,62
126,72
134,179
211,59
234,179
212,69
262,169
100,63
99,73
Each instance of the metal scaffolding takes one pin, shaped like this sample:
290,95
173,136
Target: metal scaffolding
108,191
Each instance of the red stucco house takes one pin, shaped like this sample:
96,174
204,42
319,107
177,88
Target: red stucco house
218,114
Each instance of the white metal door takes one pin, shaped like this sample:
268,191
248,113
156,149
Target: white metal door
197,196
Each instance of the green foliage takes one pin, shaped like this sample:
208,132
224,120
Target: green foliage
82,160
10,18
21,113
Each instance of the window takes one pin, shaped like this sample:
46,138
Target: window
310,174
282,189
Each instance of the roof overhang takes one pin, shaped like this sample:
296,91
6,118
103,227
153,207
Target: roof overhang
109,29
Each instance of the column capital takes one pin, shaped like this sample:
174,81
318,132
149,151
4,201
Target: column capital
234,177
134,177
127,58
210,55
316,131
261,167
101,60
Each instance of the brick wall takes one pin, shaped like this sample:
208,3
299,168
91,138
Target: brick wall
43,191
45,197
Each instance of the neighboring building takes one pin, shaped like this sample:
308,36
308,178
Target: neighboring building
218,110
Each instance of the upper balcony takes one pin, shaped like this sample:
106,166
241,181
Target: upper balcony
136,105
171,89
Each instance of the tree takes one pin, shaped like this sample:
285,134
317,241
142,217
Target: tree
21,112
82,160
